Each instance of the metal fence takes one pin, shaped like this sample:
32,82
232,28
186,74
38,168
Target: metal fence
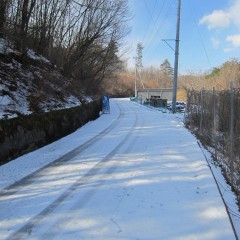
214,117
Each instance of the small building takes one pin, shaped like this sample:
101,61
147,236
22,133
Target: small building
148,93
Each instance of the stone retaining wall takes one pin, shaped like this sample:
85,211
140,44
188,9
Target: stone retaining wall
27,133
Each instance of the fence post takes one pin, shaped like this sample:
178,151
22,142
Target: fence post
187,109
191,107
201,112
214,123
232,133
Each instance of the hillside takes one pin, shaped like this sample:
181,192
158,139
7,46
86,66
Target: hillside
31,83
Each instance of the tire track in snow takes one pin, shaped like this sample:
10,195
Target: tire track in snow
28,227
83,200
15,187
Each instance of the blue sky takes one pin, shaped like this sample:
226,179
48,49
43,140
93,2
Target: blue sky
209,33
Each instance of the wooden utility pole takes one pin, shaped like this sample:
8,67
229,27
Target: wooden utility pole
175,79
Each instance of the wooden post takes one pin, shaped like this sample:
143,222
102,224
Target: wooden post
232,134
201,112
214,136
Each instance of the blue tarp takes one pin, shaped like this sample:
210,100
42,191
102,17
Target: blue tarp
105,104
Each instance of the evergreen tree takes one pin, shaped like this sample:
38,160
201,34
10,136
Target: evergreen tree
166,74
166,68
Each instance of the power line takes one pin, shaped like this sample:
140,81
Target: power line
151,16
164,20
219,190
148,9
154,25
200,36
161,24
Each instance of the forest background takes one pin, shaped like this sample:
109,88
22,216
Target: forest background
84,40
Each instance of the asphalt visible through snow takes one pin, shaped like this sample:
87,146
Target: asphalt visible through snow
142,176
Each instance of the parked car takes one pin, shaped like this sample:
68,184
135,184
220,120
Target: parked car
180,106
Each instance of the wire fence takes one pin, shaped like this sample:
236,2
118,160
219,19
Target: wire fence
214,117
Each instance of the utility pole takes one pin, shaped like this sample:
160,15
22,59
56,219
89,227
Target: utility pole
175,79
139,61
135,82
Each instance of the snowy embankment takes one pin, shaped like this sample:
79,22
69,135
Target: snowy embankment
135,173
31,83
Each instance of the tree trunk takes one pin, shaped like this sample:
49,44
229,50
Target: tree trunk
3,6
26,14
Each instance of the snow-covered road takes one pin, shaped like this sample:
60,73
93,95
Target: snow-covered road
133,174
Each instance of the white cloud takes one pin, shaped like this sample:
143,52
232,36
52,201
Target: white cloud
234,40
217,19
227,50
215,42
234,12
223,18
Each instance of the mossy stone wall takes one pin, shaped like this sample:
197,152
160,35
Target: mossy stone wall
21,135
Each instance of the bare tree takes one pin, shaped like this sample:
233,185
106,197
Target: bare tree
82,37
3,10
96,39
26,11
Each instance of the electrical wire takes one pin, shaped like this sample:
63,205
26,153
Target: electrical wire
161,25
151,17
148,8
219,190
200,36
155,23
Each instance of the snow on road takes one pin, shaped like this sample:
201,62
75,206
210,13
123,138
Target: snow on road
133,174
